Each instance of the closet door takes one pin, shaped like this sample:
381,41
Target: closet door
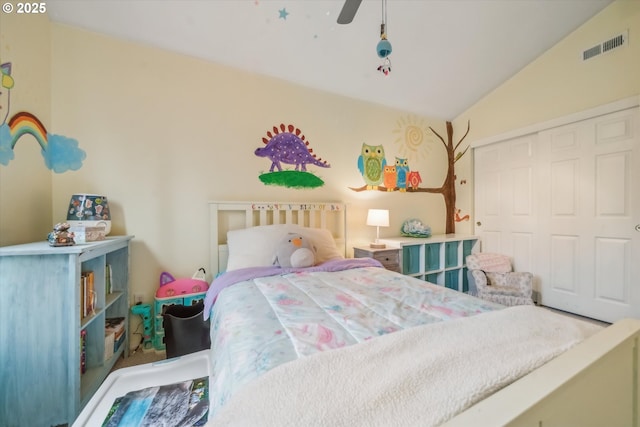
589,216
505,199
564,202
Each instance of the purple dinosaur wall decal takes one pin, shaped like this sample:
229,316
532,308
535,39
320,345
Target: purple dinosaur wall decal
287,145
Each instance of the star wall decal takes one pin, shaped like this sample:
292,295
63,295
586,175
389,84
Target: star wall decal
283,13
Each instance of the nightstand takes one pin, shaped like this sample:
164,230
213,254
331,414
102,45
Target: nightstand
389,257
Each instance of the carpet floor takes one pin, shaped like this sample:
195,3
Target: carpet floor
139,358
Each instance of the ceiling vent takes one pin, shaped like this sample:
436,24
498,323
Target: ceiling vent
606,46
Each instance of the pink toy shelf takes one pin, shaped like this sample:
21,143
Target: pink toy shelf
176,292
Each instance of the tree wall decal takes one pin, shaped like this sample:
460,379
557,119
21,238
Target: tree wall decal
448,187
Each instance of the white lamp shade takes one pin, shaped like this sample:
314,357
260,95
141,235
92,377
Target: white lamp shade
378,217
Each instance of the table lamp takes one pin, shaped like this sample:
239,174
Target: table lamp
378,218
89,210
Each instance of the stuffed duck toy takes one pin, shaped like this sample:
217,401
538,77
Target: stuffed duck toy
295,250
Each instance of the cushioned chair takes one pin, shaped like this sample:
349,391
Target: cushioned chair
492,278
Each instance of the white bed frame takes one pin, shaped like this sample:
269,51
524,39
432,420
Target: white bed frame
226,216
595,384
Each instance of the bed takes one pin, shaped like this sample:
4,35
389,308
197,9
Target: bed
346,342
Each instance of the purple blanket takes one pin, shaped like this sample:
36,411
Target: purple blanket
232,277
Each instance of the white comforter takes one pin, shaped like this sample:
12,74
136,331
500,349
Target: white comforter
420,376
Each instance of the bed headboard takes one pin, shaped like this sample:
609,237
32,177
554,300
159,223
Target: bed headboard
231,215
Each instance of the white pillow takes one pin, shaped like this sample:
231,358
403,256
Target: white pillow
256,246
322,239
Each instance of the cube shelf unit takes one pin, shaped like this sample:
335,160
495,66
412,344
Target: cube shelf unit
438,259
160,306
41,325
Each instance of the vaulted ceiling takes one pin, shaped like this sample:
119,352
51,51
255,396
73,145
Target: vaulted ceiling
447,54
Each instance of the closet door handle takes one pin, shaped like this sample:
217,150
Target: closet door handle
637,227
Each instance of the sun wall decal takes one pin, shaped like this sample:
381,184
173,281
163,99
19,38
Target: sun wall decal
412,137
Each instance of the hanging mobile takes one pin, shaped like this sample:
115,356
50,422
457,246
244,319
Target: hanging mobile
384,46
385,68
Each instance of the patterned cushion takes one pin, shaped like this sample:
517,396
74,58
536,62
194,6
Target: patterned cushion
491,262
516,284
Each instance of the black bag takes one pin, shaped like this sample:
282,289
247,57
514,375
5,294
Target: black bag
185,329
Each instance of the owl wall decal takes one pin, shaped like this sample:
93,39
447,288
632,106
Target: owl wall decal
371,163
414,179
390,177
402,169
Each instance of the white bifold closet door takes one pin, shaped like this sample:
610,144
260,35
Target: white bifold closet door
505,199
564,202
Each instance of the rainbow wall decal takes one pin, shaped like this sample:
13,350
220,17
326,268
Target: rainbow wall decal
27,124
60,153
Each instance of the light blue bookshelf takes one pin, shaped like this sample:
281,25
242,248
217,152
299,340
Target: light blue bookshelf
41,324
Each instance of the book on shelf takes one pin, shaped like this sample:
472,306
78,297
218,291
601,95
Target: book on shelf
119,333
108,274
114,333
112,344
109,342
87,294
83,351
118,340
82,298
114,324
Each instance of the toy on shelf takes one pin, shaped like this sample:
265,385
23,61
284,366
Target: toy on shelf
61,236
413,227
144,311
171,287
172,291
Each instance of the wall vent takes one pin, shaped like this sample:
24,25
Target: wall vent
613,43
606,46
591,52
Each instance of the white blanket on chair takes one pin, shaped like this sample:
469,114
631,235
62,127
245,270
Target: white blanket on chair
420,376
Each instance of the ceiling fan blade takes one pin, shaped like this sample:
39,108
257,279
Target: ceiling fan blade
348,11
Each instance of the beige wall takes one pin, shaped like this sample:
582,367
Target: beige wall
559,83
166,133
25,182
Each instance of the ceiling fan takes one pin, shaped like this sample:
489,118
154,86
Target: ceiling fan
348,11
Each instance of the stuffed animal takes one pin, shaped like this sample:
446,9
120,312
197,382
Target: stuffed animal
295,250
